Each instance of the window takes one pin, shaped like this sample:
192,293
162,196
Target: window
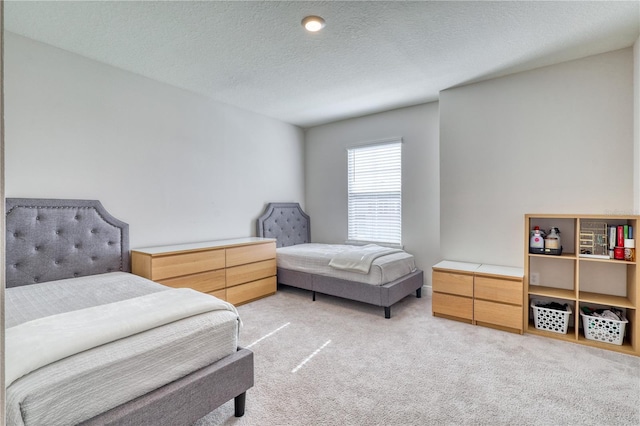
375,193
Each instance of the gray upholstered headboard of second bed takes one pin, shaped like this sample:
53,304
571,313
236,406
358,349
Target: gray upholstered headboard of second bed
50,240
286,222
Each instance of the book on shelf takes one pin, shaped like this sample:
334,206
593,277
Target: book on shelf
595,256
620,240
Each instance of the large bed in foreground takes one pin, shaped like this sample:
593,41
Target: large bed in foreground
89,343
391,274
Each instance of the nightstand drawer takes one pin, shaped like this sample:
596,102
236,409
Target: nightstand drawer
177,265
251,253
455,306
250,272
498,314
205,282
452,283
498,290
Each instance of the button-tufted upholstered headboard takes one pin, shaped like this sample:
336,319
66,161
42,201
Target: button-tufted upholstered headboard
286,222
51,240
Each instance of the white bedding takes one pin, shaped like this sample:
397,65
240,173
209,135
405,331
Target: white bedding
43,341
359,258
314,258
78,387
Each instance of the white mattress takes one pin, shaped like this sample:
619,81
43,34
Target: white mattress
81,386
314,258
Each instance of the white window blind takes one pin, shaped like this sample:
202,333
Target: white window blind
375,193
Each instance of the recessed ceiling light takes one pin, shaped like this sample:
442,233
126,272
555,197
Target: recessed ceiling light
313,23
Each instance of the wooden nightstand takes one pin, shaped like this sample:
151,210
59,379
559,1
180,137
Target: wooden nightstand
487,295
452,284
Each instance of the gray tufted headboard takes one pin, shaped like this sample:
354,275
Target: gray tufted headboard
286,222
51,240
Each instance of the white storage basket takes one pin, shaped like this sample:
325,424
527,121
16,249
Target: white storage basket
550,319
603,329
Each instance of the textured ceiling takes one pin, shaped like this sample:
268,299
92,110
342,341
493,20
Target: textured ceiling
372,55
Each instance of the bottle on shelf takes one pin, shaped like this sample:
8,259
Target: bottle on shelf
630,250
552,242
536,242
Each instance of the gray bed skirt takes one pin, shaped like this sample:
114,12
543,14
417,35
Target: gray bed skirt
188,399
384,295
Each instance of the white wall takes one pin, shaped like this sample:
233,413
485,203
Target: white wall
558,139
326,176
636,126
176,166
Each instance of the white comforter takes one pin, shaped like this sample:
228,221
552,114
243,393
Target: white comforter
78,387
359,258
42,341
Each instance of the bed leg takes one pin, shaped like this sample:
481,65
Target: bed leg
239,402
419,293
387,312
313,295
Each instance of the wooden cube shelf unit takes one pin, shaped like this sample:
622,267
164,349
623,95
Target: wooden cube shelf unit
237,270
486,295
581,280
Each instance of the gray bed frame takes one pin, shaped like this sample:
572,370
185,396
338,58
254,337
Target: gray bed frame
51,239
290,225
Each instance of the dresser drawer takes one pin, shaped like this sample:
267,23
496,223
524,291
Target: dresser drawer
205,282
220,294
455,306
250,253
176,265
452,283
250,291
498,290
250,272
498,314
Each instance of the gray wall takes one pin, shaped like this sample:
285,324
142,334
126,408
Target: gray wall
558,139
326,176
176,166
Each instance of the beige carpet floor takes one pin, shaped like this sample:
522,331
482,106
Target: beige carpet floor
337,362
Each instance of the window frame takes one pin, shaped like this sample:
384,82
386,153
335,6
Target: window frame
389,197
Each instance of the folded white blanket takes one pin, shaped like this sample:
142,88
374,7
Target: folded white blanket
42,341
359,258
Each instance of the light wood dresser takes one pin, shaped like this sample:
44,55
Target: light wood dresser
481,294
237,270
